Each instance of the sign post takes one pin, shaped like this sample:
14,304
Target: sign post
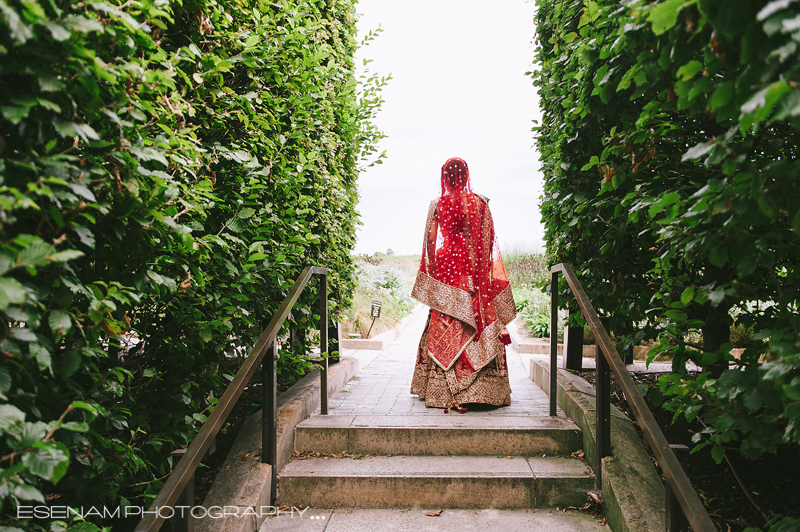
375,313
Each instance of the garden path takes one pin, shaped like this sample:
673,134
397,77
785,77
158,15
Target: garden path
383,383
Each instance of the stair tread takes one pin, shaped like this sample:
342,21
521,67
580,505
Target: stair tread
439,467
397,520
444,422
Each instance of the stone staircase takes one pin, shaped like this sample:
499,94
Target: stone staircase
472,460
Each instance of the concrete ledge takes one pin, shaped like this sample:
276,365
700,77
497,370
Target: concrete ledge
378,343
436,481
407,435
244,482
632,490
537,346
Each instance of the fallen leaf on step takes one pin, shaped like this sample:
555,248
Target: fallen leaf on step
434,514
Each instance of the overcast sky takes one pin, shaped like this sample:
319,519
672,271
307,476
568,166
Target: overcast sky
459,89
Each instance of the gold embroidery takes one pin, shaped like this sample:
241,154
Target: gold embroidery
444,298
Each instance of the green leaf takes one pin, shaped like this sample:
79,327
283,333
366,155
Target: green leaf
752,399
60,322
718,453
11,292
42,357
9,415
665,15
773,7
34,252
792,390
236,225
690,69
256,257
721,96
199,417
49,462
82,190
59,32
697,151
687,295
84,526
718,256
15,114
792,410
84,406
246,213
67,364
666,200
26,492
5,382
676,315
67,254
75,426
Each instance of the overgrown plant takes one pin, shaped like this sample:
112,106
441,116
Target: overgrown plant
166,171
669,146
386,283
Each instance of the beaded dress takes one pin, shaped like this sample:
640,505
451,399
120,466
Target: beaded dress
461,358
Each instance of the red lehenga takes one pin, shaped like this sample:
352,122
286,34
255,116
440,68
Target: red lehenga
461,357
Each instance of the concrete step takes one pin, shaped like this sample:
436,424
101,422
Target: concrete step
435,482
402,520
452,434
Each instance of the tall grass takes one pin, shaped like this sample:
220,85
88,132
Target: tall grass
384,278
528,273
525,269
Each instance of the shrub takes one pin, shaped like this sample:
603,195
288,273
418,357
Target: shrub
669,142
384,283
167,170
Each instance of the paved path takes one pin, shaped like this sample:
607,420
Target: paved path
382,386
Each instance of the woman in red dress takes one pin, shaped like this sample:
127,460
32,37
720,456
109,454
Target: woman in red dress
461,357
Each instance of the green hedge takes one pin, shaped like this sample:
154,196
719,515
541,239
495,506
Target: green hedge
167,169
669,146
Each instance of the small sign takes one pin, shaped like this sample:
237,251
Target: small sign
376,309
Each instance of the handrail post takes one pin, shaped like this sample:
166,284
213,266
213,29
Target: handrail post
553,341
184,522
675,518
603,411
269,415
323,342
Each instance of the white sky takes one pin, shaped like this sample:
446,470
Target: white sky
459,89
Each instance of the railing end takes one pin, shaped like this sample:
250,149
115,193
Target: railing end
557,268
319,270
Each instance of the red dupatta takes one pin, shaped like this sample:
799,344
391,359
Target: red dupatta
462,277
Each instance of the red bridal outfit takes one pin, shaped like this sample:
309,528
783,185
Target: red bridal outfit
461,357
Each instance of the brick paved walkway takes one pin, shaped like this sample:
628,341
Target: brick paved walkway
383,383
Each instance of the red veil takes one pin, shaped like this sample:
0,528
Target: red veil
463,280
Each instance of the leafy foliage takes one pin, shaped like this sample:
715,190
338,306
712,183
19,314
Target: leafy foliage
669,145
166,170
385,282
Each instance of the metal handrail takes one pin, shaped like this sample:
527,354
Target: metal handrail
184,471
675,476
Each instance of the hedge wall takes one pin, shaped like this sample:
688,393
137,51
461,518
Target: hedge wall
669,146
166,170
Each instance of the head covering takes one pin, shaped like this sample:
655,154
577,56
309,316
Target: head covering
455,176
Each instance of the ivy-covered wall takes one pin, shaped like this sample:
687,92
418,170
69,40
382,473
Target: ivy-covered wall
167,168
669,145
